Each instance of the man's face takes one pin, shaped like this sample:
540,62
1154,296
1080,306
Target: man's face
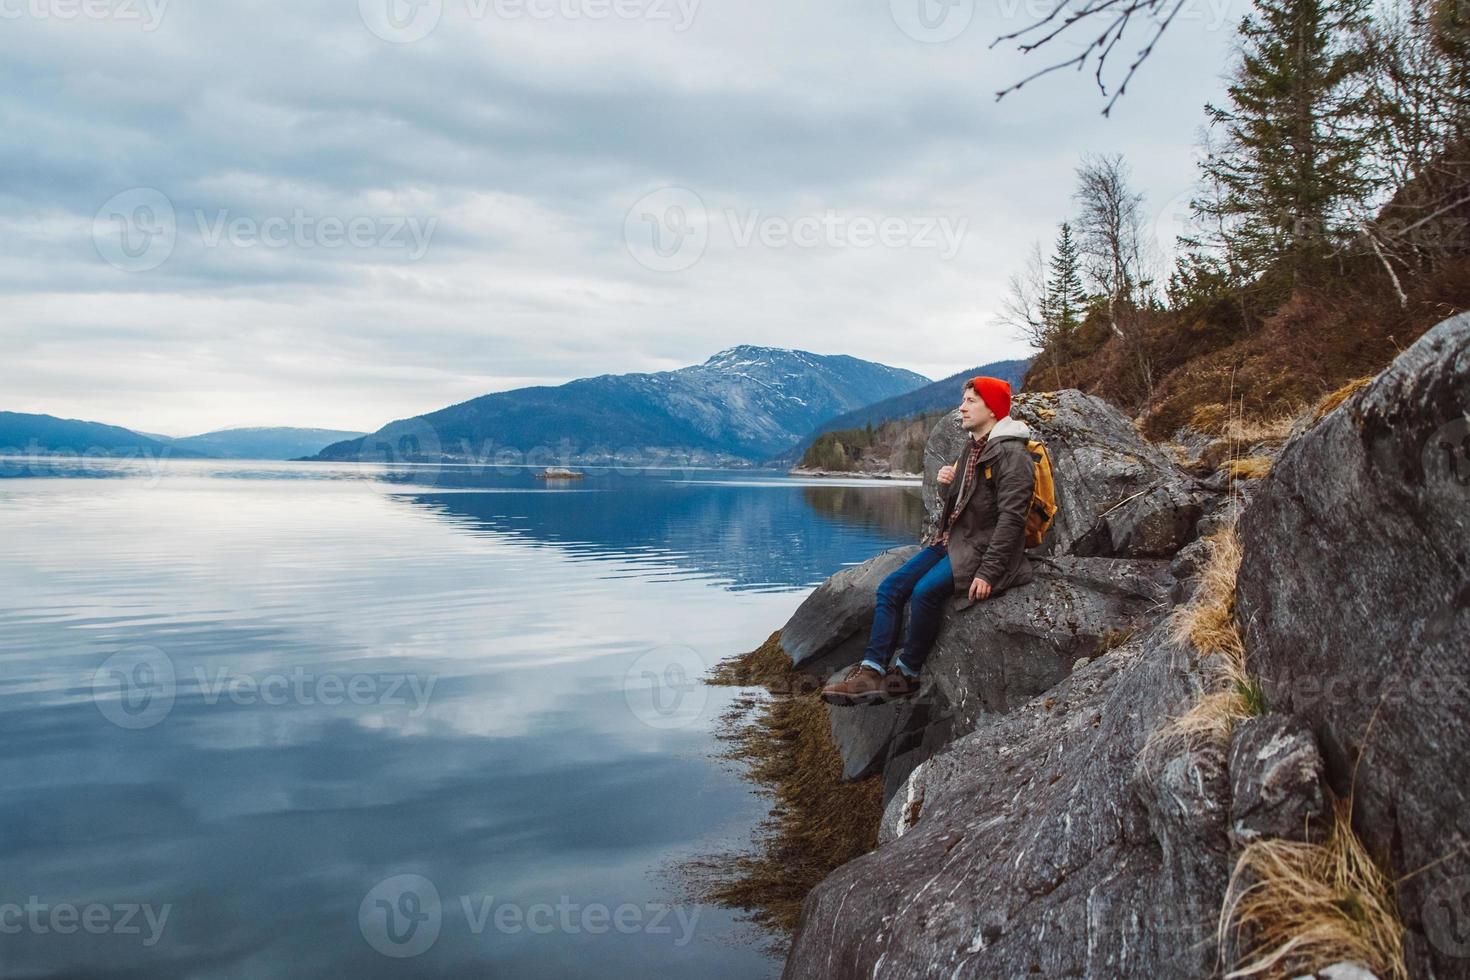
974,412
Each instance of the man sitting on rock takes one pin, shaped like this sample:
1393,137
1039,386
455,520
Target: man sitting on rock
977,547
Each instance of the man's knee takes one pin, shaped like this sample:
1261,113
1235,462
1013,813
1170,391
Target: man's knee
932,594
892,587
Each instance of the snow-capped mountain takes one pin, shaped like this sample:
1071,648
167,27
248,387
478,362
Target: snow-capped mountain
745,403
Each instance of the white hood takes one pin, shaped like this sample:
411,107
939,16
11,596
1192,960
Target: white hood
1009,428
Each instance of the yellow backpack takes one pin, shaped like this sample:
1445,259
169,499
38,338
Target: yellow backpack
1043,509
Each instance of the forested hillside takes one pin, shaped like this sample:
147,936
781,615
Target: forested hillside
1330,227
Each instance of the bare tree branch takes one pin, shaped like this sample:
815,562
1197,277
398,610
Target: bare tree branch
1122,12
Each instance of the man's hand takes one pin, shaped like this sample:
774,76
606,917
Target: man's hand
946,474
979,589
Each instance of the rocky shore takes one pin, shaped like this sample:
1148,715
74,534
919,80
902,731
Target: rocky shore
851,474
1089,785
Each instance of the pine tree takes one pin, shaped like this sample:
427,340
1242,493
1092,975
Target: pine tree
1065,301
1293,148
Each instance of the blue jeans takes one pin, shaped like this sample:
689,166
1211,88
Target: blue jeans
924,581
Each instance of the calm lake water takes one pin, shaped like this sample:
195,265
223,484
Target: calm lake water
271,719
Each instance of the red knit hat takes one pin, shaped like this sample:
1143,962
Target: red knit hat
995,393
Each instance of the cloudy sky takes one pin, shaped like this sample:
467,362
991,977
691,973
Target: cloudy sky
342,212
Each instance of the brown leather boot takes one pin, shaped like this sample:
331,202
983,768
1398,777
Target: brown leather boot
861,685
897,684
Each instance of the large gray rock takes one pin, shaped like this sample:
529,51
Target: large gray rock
1275,780
864,735
830,628
1185,569
1118,496
1025,848
998,654
995,655
1354,595
1184,786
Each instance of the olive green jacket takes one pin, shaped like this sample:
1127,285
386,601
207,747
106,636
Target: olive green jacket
988,539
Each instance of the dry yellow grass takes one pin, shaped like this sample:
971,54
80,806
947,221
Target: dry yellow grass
1249,431
1336,398
1296,907
1229,422
1207,623
766,666
1250,468
1210,418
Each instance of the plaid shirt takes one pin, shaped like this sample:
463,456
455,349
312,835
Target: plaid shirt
972,467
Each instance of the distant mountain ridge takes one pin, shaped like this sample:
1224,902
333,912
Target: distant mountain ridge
24,434
742,405
934,397
261,442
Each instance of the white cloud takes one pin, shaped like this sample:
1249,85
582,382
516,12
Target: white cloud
525,142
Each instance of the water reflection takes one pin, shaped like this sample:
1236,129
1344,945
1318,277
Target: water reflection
744,535
262,808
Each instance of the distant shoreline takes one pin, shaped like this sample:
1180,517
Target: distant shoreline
851,475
